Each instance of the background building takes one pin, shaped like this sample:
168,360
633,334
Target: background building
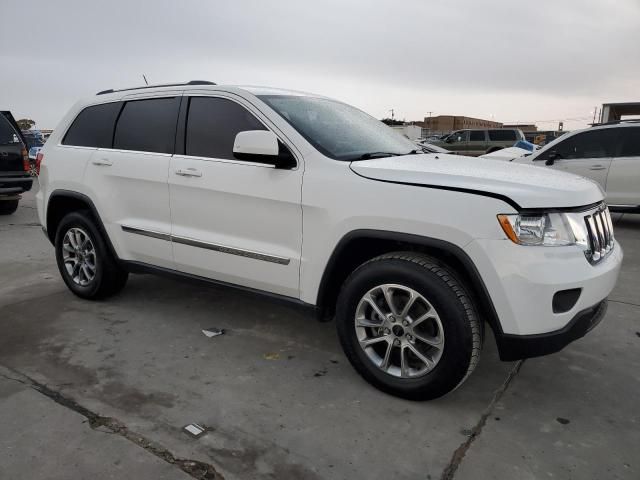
449,123
525,127
412,132
615,111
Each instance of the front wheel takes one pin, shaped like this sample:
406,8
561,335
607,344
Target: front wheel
85,263
408,326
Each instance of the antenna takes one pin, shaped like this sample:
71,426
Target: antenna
145,79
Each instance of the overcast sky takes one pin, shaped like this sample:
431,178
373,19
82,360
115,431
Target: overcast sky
506,60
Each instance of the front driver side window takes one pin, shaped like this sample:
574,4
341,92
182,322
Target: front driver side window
212,126
459,137
592,144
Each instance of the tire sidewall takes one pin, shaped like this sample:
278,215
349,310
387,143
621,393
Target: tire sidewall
458,346
80,220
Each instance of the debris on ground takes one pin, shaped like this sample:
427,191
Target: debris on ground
194,430
272,356
213,332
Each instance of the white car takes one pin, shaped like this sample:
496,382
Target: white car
312,201
608,154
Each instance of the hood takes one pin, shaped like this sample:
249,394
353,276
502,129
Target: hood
524,186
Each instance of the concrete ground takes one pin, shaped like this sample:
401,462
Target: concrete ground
102,389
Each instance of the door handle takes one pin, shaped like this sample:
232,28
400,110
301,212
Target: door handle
598,167
104,162
188,172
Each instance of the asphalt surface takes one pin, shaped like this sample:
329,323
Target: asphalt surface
103,389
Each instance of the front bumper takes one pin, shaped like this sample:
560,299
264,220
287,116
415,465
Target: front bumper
517,347
522,282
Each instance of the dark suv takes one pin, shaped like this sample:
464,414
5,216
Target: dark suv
478,142
14,164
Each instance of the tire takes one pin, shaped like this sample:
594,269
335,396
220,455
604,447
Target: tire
7,207
102,276
450,325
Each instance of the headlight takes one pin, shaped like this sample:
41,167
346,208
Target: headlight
549,229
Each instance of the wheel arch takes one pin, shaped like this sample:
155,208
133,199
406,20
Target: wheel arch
62,202
358,246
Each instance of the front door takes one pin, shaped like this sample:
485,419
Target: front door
587,154
234,221
457,142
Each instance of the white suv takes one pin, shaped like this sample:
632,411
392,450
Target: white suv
608,154
312,201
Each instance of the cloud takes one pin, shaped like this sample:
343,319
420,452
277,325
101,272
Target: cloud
448,54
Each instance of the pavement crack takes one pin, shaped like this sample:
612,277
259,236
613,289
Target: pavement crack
623,303
194,468
461,451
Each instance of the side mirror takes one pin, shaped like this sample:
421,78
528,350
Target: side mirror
553,156
449,140
264,147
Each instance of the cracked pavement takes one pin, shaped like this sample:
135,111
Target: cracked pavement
103,389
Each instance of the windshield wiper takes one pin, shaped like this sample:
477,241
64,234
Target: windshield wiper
371,155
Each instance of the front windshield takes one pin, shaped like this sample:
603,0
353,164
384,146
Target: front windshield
338,130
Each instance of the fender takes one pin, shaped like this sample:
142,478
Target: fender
473,276
60,193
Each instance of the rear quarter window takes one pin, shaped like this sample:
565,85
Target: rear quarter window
93,127
502,135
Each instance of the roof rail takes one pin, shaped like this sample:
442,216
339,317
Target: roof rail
617,122
192,82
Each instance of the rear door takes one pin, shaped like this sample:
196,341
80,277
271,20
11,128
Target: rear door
128,180
477,144
586,153
623,182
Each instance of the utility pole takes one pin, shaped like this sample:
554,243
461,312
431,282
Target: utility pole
429,127
392,114
595,110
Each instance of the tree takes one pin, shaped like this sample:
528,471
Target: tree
391,121
25,123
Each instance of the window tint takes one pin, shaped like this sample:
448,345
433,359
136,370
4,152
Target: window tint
147,125
502,135
93,127
212,126
592,144
8,135
476,136
630,142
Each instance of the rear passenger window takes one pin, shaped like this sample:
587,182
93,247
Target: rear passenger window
148,125
502,135
476,136
630,142
93,127
212,126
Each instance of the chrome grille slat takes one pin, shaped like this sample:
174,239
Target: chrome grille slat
600,232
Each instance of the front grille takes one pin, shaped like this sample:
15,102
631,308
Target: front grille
600,231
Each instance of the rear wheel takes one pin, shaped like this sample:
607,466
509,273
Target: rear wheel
7,207
408,326
84,261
